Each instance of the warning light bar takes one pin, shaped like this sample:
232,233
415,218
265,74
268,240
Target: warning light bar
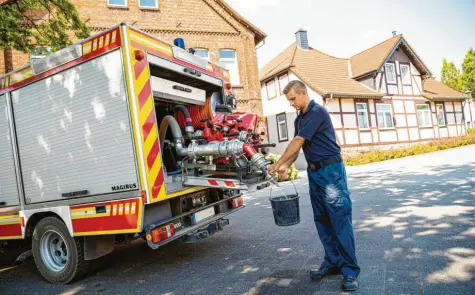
183,55
56,59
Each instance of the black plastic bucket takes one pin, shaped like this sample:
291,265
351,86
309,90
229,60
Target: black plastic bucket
285,208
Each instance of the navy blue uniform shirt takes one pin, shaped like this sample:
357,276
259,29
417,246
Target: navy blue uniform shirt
316,127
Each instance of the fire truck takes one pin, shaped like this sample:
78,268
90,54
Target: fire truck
119,137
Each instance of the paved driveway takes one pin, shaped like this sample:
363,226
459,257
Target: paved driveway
414,223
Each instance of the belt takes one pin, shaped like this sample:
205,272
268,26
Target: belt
317,165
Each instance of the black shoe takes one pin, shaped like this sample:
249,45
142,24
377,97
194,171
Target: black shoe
349,283
318,274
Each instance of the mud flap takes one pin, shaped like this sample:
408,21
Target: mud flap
98,246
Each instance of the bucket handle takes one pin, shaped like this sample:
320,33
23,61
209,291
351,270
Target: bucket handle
270,193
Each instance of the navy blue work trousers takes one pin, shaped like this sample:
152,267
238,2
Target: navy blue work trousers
332,208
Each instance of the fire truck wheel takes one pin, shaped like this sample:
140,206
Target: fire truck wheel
58,256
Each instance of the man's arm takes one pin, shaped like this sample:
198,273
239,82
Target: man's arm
291,153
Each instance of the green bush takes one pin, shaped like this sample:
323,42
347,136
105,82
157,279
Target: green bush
471,131
383,155
292,173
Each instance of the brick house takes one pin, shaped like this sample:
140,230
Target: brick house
382,97
211,26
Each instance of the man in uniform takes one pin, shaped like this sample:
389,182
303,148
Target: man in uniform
329,193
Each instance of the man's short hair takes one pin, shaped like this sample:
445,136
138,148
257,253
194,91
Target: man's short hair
295,85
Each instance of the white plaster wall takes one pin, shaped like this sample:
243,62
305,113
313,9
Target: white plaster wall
459,118
349,121
373,121
417,85
336,120
412,120
410,106
348,105
469,110
392,89
365,137
448,106
450,119
458,106
387,136
427,133
332,105
403,134
443,132
414,70
339,135
398,106
407,90
452,131
371,105
400,120
351,136
414,133
375,135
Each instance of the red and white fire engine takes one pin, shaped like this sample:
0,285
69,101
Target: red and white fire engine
117,137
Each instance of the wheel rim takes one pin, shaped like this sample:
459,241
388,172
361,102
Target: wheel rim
54,251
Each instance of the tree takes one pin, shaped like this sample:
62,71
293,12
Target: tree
451,76
25,24
468,72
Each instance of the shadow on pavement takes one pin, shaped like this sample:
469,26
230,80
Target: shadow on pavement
415,234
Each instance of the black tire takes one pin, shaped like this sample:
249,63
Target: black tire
75,266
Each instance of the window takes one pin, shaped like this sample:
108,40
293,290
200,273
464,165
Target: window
385,117
271,93
283,81
440,114
423,115
148,3
228,59
390,73
203,53
282,127
406,74
39,52
117,2
362,113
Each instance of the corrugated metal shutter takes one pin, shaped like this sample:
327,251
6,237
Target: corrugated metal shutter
8,182
74,131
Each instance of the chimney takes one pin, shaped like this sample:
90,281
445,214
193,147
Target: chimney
301,38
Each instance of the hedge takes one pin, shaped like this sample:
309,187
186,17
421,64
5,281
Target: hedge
383,155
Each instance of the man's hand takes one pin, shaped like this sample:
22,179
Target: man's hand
281,170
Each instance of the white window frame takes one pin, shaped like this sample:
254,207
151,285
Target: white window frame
268,86
237,81
203,49
437,114
365,110
409,77
386,126
424,112
281,79
282,124
117,5
394,73
149,7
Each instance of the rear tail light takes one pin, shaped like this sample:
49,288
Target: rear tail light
163,233
237,202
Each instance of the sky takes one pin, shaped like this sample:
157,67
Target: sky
435,29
